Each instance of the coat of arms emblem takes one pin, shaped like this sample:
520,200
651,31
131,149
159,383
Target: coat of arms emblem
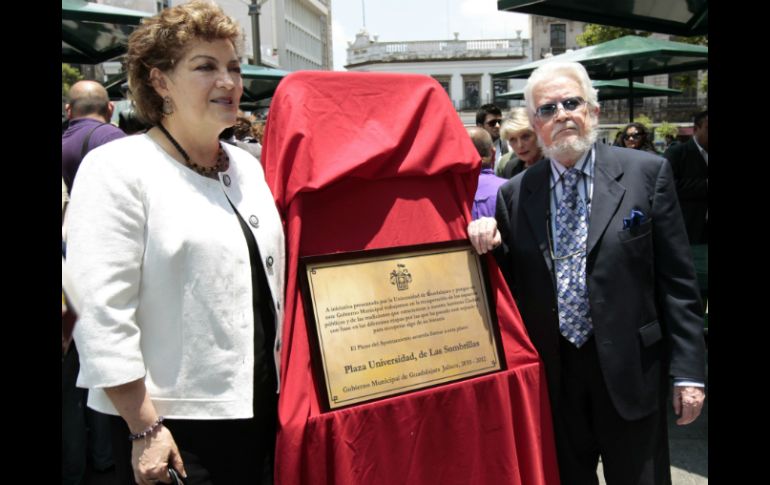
400,277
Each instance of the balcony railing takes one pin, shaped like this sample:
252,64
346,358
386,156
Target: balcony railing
474,104
438,49
554,51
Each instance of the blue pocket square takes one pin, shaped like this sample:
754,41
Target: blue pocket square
635,218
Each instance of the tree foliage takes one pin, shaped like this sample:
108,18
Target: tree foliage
596,34
664,129
686,81
69,76
704,84
644,120
691,80
695,40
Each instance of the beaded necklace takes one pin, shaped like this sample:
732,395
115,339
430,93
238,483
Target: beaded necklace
223,162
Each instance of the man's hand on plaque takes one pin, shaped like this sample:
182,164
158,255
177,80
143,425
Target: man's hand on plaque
484,235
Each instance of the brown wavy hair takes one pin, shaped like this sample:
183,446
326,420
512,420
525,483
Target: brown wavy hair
646,143
258,130
242,128
161,41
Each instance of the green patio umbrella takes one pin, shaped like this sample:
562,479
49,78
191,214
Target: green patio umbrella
93,33
626,58
614,89
676,17
114,85
260,82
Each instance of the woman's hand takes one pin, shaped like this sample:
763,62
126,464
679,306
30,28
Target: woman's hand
156,450
152,456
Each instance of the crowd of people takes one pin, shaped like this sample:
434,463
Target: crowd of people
176,253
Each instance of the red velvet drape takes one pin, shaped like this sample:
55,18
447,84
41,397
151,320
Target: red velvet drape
367,161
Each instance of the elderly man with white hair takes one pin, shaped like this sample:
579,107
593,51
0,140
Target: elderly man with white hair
595,252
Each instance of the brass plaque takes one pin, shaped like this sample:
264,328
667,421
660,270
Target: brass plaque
389,322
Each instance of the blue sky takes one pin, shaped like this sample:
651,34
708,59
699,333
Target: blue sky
401,20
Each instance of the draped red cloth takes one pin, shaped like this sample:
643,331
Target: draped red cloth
374,160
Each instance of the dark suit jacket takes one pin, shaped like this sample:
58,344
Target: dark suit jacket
644,300
514,167
509,165
691,177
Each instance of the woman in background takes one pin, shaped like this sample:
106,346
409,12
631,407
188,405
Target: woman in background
525,151
635,136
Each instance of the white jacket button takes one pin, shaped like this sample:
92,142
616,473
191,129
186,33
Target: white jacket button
254,221
226,179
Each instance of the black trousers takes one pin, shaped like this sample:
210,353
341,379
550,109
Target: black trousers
85,433
586,425
214,452
73,421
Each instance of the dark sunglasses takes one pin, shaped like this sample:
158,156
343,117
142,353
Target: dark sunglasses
633,136
493,123
548,110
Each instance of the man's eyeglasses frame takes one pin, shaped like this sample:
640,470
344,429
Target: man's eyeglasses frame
548,110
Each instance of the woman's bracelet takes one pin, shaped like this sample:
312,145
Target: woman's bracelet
151,429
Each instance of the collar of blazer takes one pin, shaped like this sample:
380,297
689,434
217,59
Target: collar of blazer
606,162
693,147
607,194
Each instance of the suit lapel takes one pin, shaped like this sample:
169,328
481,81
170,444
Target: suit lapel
502,146
535,184
695,154
607,194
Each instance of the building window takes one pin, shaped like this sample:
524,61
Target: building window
558,38
471,90
500,86
445,83
161,4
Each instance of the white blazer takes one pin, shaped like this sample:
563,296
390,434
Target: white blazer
162,268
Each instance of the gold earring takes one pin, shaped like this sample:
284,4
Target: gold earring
168,106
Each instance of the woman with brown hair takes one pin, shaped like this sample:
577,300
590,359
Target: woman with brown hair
635,136
177,249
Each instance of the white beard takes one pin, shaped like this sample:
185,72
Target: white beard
572,148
